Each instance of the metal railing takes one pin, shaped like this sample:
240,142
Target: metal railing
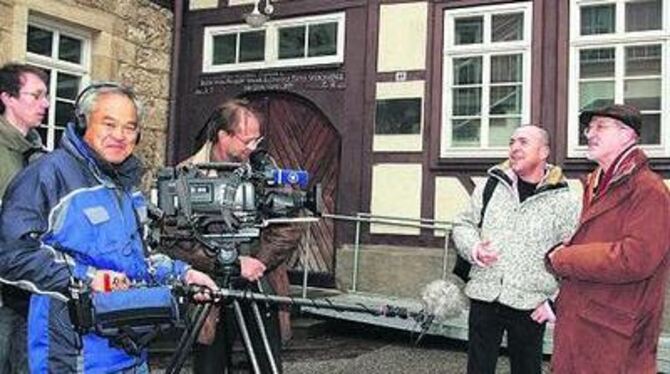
368,218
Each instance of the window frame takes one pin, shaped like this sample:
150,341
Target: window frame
271,59
56,66
486,50
618,40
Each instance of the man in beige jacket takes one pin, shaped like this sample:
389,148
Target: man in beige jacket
530,210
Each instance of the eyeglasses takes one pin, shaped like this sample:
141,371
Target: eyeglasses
599,128
37,95
126,130
250,144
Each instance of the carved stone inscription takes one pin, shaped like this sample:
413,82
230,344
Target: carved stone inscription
277,80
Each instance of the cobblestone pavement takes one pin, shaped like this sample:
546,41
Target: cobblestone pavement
336,347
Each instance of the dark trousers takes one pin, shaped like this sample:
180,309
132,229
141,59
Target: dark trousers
217,357
486,324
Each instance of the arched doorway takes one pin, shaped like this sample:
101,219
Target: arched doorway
299,136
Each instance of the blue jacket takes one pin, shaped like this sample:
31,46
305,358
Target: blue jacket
73,214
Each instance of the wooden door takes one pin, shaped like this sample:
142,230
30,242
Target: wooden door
299,136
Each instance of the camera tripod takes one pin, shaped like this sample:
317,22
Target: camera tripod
225,271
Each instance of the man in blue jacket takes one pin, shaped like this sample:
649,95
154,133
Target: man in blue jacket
77,213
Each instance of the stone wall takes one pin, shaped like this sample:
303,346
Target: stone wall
6,21
389,270
131,43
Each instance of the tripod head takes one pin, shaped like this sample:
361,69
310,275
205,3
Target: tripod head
226,264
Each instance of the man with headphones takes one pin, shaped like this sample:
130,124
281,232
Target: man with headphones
77,214
233,132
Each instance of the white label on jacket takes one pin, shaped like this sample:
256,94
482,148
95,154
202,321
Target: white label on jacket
97,214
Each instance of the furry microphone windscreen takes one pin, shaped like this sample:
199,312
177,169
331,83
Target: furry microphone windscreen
443,299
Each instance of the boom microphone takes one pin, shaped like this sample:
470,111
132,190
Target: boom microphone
443,300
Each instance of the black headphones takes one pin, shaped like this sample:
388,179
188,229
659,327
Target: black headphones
79,116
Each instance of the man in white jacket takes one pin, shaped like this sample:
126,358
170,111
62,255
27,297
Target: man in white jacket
530,210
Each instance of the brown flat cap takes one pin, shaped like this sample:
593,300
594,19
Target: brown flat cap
627,114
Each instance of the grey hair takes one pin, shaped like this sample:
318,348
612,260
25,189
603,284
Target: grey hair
89,97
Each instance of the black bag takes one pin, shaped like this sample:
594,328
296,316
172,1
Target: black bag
132,318
462,266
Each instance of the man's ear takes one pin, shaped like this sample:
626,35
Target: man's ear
220,135
4,96
545,152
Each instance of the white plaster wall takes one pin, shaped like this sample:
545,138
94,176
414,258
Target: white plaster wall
396,192
402,36
451,198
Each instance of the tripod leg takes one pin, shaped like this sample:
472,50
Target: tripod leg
244,332
187,339
264,337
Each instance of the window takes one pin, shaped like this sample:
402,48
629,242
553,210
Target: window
398,116
618,53
290,42
486,78
63,54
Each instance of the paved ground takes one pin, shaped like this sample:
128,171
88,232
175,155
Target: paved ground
337,347
373,350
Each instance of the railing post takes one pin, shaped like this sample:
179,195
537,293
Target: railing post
305,264
357,242
446,253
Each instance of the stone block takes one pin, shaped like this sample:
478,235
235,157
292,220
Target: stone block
6,17
153,60
104,68
151,150
156,113
127,10
6,42
104,5
153,29
389,270
145,82
125,51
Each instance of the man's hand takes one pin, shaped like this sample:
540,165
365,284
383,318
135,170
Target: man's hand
543,313
484,255
555,250
251,268
108,280
201,279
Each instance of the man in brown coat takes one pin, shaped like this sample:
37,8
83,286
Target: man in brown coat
233,132
614,268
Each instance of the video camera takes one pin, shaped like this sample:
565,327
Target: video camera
240,198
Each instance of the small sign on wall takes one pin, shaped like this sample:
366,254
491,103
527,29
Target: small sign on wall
276,80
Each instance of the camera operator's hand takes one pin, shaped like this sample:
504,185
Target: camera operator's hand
109,280
201,279
251,268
